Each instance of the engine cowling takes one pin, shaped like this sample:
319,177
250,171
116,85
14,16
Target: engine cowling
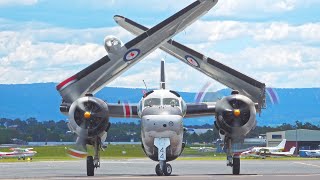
89,117
235,116
112,44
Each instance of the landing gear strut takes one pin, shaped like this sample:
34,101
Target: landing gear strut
232,160
94,162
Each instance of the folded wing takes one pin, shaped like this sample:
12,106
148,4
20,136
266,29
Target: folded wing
93,78
231,78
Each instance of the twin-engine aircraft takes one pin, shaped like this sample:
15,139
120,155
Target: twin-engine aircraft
161,111
89,116
20,153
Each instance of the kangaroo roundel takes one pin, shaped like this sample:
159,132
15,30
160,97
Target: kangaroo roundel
192,61
131,54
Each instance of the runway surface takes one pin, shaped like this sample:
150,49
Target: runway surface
144,169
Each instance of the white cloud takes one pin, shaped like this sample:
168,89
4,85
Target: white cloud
254,8
163,5
278,65
50,54
17,2
213,31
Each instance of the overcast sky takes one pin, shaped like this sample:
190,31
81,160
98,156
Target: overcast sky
274,41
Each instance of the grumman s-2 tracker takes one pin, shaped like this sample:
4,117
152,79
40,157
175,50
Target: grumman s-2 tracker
161,111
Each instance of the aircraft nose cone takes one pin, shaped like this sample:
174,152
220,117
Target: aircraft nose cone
87,115
237,112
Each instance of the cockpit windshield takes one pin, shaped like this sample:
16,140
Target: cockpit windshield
171,102
152,102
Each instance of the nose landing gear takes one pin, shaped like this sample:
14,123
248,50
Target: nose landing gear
163,168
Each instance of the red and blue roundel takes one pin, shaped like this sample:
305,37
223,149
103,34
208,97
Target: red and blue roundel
192,61
131,55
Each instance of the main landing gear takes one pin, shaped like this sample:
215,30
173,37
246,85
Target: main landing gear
232,160
94,162
163,168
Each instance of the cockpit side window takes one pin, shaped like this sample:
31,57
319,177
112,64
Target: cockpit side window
171,102
152,102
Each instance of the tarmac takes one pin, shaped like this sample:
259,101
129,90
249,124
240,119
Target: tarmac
145,169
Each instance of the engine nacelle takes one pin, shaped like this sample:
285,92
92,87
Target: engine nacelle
89,117
235,116
112,44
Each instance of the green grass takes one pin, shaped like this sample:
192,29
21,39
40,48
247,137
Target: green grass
59,153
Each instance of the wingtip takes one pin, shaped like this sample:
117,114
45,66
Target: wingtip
118,18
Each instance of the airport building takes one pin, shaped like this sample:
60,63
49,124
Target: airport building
303,139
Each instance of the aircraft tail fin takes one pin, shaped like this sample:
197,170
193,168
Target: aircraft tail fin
282,144
292,150
162,76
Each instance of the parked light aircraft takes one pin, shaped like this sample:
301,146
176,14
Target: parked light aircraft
161,111
256,151
89,116
265,154
20,153
312,153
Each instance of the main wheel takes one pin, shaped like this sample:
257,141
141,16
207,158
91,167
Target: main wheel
158,170
167,170
236,165
90,166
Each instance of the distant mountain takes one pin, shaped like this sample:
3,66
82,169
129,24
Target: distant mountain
42,102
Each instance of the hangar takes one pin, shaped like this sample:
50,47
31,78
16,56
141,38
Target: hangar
303,139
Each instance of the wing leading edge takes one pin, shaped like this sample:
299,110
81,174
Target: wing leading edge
200,109
233,79
94,77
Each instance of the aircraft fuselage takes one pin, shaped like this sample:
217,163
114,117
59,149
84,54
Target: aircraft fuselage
162,122
161,114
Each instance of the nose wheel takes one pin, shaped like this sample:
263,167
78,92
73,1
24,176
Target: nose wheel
165,169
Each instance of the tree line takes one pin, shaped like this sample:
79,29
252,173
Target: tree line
31,130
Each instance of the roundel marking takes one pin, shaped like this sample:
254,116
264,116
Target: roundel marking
131,54
192,61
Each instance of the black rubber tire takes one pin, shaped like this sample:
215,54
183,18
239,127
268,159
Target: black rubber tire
236,166
158,170
167,169
90,166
